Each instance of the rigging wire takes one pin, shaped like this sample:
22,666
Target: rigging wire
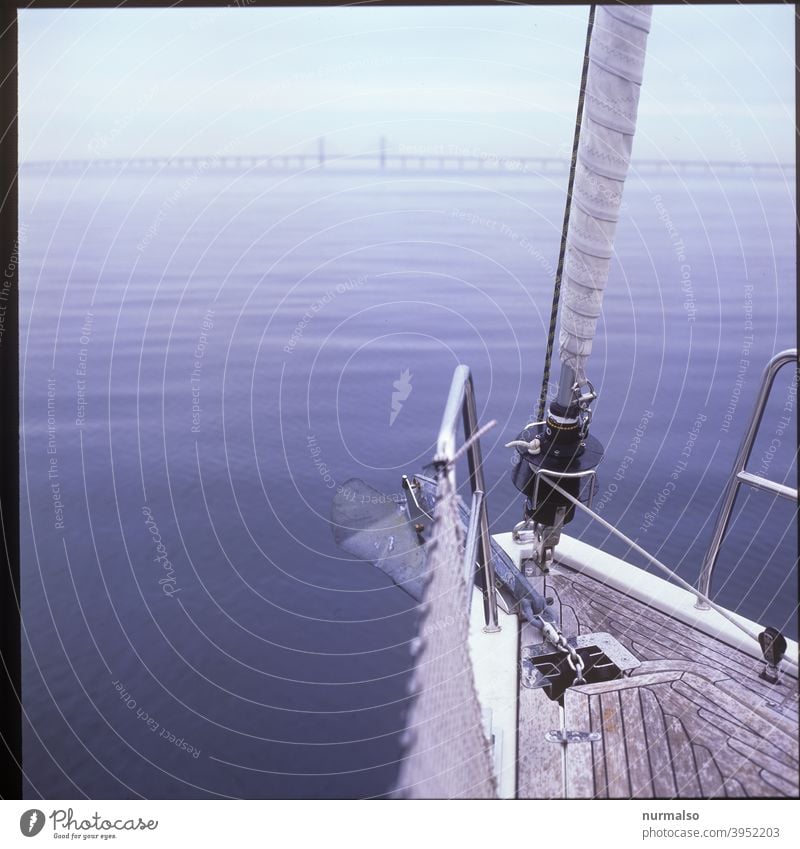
726,614
551,335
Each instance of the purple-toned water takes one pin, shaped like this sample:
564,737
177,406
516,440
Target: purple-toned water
204,363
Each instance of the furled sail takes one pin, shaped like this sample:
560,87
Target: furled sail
616,65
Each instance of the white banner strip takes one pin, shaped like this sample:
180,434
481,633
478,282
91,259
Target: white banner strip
400,825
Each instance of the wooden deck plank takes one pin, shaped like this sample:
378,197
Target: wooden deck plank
756,756
673,638
734,788
786,719
619,786
712,785
669,641
696,690
539,763
779,783
598,751
737,751
636,745
579,764
684,766
741,769
726,732
657,748
665,677
672,665
692,721
607,607
736,761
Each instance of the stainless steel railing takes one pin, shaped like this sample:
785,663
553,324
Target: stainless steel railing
740,475
461,403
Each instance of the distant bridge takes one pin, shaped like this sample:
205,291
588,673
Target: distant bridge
405,162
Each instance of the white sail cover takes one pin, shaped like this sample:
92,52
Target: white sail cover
616,66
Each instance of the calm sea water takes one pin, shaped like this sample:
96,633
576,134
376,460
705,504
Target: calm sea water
203,363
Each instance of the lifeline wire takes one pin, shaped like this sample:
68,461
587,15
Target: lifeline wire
664,568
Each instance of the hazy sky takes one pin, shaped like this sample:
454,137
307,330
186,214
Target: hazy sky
719,80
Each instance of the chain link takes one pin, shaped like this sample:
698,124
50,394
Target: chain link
554,635
576,662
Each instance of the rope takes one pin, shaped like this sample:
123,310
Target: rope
664,568
551,336
472,440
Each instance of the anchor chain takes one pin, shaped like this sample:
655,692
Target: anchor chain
553,635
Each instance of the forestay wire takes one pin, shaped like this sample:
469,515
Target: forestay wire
551,334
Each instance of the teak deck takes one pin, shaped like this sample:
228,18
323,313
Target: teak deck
695,720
